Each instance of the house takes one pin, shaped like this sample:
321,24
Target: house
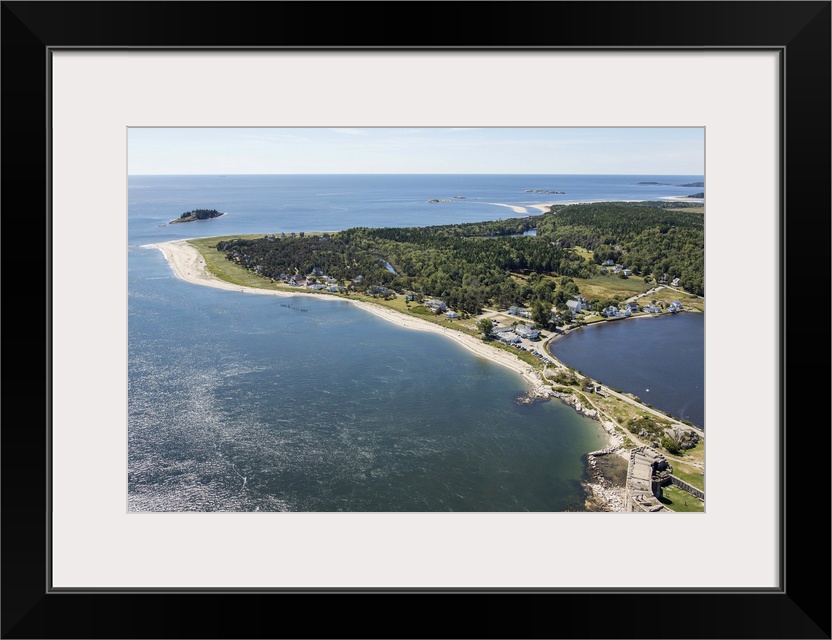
452,315
608,263
674,282
508,337
674,306
317,271
610,312
574,306
652,308
627,272
626,312
358,279
524,314
410,297
616,268
333,288
512,311
525,331
317,287
633,307
436,305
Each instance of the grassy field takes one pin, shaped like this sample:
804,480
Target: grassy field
586,254
688,300
681,501
610,286
690,210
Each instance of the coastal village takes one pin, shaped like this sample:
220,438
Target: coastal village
654,463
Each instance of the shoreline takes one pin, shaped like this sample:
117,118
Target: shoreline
188,265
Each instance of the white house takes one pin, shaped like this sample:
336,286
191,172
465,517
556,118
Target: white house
452,315
524,331
627,272
436,305
674,282
574,306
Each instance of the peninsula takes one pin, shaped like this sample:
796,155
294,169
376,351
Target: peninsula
500,293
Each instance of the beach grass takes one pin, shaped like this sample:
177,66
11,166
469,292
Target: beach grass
681,501
229,271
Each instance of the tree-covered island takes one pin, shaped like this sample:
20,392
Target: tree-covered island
197,214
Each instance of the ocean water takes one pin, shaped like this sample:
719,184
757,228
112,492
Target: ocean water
252,403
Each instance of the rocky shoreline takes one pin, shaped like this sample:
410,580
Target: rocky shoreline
606,481
605,474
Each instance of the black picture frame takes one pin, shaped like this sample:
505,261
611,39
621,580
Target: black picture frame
800,608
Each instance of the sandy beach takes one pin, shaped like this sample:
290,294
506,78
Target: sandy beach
543,208
187,263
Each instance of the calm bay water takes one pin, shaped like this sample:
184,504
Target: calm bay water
659,359
244,403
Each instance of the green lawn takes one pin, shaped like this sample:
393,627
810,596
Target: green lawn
691,475
677,500
604,287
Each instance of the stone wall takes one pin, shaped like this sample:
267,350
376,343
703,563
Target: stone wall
684,486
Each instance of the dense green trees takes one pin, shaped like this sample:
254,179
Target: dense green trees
198,214
649,240
471,265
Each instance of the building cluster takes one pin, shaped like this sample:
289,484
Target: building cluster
631,308
610,266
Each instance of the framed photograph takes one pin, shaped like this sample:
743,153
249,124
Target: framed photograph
93,95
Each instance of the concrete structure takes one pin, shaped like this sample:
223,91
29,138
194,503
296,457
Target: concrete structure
647,474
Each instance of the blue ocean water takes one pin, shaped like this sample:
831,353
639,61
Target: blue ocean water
249,403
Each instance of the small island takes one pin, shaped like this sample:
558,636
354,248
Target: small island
197,214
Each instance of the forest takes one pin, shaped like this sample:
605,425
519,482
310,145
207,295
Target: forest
474,265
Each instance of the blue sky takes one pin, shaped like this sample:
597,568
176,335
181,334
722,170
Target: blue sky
679,151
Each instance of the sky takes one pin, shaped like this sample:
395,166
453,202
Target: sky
520,150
